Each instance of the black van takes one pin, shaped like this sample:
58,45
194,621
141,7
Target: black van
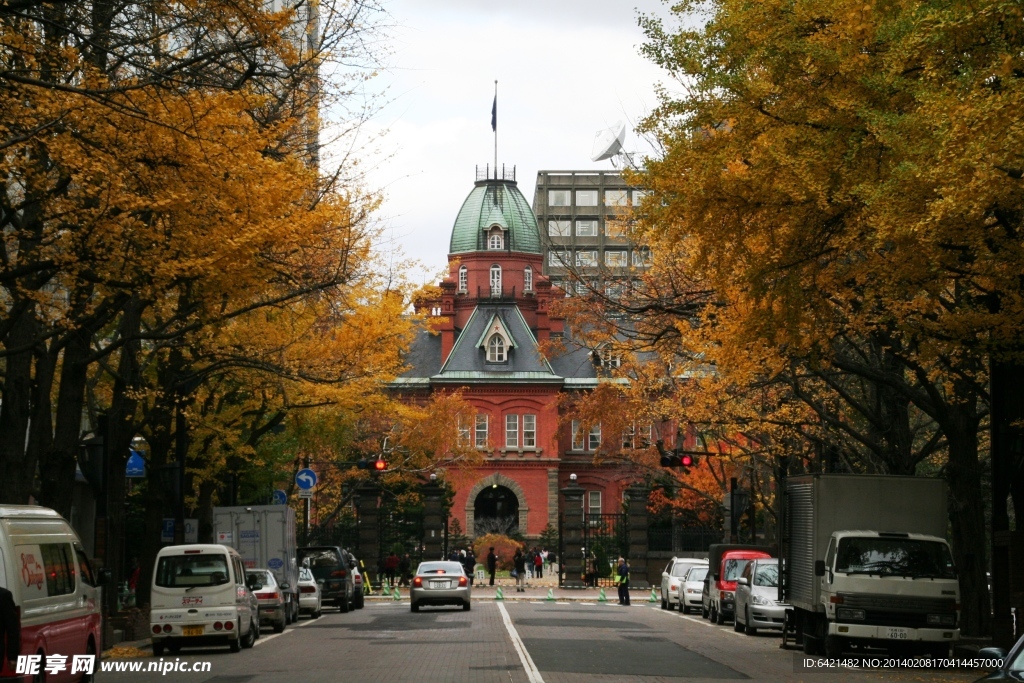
332,568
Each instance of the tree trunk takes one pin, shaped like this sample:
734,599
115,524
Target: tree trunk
17,469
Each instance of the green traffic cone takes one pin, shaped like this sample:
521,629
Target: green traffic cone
601,597
386,591
499,595
654,596
551,595
396,595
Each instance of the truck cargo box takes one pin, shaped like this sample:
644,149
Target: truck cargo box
264,535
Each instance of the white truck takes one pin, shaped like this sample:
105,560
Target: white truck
866,563
264,535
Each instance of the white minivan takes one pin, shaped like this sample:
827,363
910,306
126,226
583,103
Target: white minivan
43,564
200,597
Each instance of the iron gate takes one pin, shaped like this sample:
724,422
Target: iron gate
400,531
605,538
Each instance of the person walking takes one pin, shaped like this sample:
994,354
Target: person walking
10,628
623,581
519,564
528,559
404,565
469,564
390,567
492,563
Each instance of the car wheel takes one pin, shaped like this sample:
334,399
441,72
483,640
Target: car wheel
414,607
664,602
736,625
833,646
747,628
40,676
90,651
280,625
174,647
158,649
466,606
703,612
256,625
343,604
685,609
236,644
250,637
360,602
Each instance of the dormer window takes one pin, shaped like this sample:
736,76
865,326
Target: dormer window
495,280
463,279
528,279
495,239
496,351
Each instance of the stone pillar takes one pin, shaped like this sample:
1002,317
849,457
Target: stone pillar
571,560
366,501
433,522
637,525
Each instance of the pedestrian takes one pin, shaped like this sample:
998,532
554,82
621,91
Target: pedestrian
492,563
390,567
519,565
10,628
538,565
529,562
623,581
404,565
469,564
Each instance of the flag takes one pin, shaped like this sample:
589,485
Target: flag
494,114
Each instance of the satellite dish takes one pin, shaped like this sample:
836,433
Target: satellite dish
608,142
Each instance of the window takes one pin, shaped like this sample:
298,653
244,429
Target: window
559,198
638,196
586,197
464,436
642,257
496,349
481,431
558,258
179,571
616,197
594,438
577,436
615,259
614,290
607,358
495,280
529,431
495,239
463,279
594,502
528,279
511,431
586,228
628,435
586,258
58,566
559,228
614,227
84,568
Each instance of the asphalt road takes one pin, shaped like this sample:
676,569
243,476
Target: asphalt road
510,642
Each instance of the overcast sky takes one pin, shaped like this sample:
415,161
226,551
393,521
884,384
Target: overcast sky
565,69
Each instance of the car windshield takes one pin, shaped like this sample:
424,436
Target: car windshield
894,557
305,575
189,571
261,576
733,569
681,569
697,574
322,561
1016,665
767,575
440,568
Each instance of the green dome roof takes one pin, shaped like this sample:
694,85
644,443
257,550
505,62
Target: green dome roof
495,202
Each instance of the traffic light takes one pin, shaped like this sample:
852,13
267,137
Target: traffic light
687,460
363,464
676,459
379,465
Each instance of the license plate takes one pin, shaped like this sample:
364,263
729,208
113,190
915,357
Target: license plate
440,584
896,633
191,630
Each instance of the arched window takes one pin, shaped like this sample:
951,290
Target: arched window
495,239
495,280
528,279
463,279
496,349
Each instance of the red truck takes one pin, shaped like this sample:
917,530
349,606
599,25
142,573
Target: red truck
727,562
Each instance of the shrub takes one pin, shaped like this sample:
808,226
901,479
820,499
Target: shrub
504,547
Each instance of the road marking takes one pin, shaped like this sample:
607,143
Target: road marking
532,674
263,638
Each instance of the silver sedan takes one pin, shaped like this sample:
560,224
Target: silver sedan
440,583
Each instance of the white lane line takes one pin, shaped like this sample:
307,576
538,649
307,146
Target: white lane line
532,674
264,638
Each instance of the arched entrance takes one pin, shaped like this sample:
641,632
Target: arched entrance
496,510
487,491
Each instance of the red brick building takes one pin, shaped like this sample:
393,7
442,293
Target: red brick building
495,309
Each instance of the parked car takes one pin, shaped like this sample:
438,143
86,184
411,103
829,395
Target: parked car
691,588
332,567
55,590
757,592
1013,662
672,578
273,602
358,600
726,564
310,596
440,583
201,596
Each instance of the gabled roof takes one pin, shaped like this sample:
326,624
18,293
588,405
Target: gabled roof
467,360
495,325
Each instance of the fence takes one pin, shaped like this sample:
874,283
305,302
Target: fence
682,539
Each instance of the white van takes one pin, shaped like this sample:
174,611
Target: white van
200,597
43,564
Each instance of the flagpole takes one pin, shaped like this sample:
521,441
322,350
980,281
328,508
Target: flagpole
495,129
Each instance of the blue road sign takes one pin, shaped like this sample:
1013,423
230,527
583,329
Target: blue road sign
279,498
135,468
167,531
305,479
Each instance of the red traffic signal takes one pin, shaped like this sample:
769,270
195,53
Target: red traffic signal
687,461
379,465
